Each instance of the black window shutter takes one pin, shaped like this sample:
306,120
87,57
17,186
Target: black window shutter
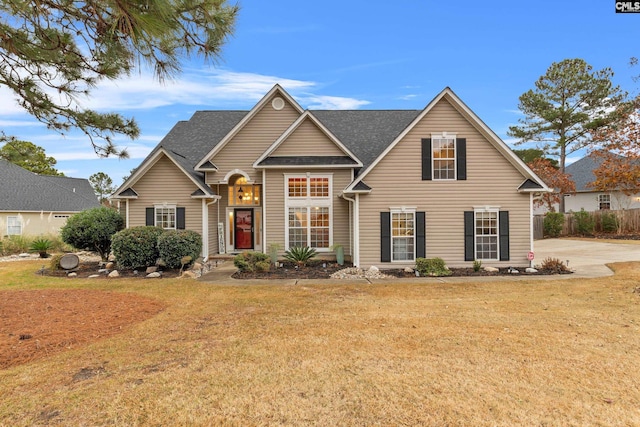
426,159
180,221
150,217
469,236
504,235
420,235
385,237
461,161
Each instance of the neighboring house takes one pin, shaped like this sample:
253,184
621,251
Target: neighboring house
589,199
388,186
32,204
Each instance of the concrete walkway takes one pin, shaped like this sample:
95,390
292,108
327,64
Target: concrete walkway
587,259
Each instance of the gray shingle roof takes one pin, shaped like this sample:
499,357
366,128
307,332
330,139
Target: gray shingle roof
581,171
365,132
23,191
308,161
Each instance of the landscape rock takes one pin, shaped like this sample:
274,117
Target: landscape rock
93,276
72,275
103,271
114,273
514,271
408,270
109,265
153,275
491,269
196,266
373,269
151,269
531,270
24,255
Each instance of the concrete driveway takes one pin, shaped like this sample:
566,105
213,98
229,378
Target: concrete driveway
586,258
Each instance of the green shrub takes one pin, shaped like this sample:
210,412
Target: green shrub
477,265
174,245
300,254
432,267
585,222
92,229
42,246
250,261
553,223
136,247
609,222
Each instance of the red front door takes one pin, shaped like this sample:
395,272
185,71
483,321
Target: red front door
243,228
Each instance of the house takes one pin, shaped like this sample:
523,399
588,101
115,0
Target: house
32,204
387,186
589,199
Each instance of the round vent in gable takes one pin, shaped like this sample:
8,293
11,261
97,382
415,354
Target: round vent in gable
277,103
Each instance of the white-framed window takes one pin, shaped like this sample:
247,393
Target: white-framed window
14,225
165,216
443,156
403,235
309,211
604,201
486,234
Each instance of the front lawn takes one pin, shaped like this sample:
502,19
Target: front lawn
544,352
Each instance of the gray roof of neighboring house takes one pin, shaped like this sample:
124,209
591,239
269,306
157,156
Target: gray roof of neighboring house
581,172
22,191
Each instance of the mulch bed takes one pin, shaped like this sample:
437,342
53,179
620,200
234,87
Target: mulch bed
36,324
320,270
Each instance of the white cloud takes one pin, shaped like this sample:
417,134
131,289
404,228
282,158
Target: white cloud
319,102
408,97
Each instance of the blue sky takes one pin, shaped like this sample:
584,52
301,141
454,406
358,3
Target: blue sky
357,54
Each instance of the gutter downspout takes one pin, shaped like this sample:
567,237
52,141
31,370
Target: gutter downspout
356,228
205,227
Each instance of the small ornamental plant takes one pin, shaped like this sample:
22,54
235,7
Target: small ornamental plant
41,246
300,254
432,267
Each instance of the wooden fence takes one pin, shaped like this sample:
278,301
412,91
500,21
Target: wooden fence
628,222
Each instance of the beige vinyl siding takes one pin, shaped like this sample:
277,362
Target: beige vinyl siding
491,181
36,223
252,140
308,140
165,182
275,215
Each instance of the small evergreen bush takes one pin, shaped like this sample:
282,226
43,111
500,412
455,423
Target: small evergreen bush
585,222
42,246
300,254
432,267
250,261
609,222
174,245
552,224
136,247
92,229
477,265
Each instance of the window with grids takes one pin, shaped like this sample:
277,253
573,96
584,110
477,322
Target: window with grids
166,217
402,236
308,205
444,157
604,201
14,225
486,232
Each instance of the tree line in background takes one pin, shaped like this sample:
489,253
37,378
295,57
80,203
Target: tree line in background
573,107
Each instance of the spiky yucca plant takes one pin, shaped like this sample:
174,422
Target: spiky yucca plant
300,254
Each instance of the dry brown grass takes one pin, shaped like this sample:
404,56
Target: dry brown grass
561,352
